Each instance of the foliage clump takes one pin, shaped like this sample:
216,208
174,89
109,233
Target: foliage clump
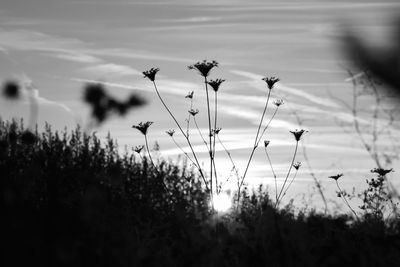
70,200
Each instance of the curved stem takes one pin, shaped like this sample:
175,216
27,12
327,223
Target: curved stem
229,155
255,145
287,176
183,133
276,185
188,119
201,135
148,151
266,127
291,181
345,200
183,151
262,117
305,157
230,158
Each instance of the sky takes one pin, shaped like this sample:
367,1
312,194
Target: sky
60,45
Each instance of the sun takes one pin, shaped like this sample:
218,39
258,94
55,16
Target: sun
222,202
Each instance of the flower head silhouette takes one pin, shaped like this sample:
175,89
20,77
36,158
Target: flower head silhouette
190,95
215,84
336,177
271,81
170,132
138,149
381,172
298,133
266,143
297,165
151,74
278,102
143,126
216,131
193,112
204,67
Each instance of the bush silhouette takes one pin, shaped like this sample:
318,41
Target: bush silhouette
69,200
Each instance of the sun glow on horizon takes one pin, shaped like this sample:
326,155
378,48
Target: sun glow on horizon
222,202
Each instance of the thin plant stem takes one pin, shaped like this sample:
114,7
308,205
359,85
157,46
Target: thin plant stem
230,158
215,127
148,151
201,135
183,133
305,156
273,172
209,134
183,151
266,127
215,175
345,200
188,119
291,181
152,162
254,147
287,176
141,157
229,155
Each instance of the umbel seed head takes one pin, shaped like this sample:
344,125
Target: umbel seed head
336,177
193,112
204,67
190,95
138,149
151,74
278,102
297,165
270,81
298,133
266,143
170,132
381,172
143,126
215,84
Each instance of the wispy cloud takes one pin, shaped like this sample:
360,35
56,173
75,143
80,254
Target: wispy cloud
323,101
191,20
73,48
78,57
111,69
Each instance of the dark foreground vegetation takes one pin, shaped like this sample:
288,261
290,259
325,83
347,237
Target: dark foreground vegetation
68,200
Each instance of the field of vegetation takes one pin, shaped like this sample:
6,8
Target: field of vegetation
70,199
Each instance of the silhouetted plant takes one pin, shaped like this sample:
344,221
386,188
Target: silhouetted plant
342,193
378,202
297,136
212,184
143,127
270,84
151,75
204,67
